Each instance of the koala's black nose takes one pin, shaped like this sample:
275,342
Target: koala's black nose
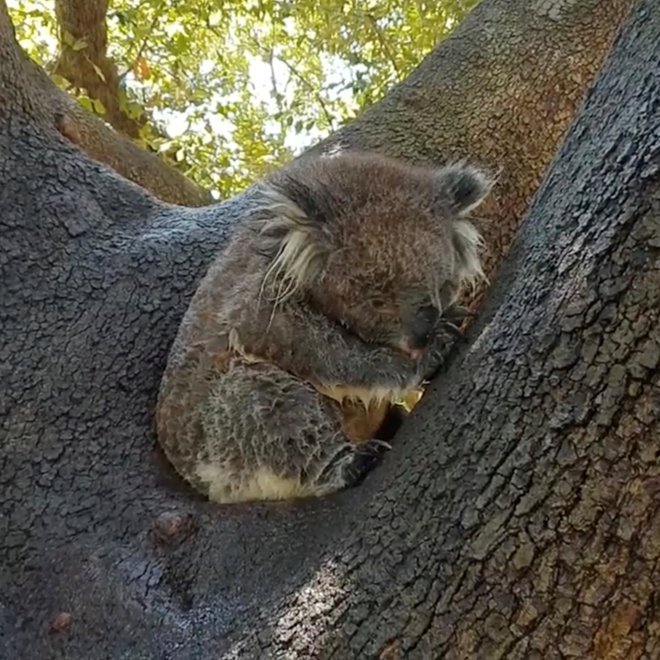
423,325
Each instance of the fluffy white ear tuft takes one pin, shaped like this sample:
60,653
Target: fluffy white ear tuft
467,242
295,243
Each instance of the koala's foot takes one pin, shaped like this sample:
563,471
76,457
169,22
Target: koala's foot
350,467
267,435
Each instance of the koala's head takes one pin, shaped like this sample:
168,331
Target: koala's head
376,244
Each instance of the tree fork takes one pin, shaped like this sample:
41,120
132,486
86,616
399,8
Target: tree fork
443,546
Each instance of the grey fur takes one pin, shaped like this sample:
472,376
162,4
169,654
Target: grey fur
462,187
314,300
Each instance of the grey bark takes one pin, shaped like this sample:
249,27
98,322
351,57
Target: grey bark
515,517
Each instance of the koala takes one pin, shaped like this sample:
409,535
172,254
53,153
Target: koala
329,303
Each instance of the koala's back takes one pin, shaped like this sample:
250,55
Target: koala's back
199,354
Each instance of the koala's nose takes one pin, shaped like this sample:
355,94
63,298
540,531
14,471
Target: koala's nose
423,324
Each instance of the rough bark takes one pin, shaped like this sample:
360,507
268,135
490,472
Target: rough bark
516,511
49,105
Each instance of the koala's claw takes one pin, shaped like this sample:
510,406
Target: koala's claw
458,313
376,445
454,330
364,459
362,464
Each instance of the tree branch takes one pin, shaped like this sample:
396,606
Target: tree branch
328,116
89,67
382,41
52,107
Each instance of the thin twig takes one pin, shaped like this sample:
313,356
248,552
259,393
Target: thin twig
143,45
311,87
303,80
383,42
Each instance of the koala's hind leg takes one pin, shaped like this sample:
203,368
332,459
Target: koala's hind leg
268,435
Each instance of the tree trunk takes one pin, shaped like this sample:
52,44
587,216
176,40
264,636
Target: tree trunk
90,68
514,517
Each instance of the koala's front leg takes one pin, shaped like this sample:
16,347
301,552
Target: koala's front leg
439,350
332,355
367,364
268,435
320,351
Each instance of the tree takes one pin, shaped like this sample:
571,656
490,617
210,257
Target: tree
248,86
516,514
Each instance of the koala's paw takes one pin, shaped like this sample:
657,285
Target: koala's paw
434,359
363,459
438,352
453,318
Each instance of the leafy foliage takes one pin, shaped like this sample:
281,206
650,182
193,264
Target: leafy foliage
233,89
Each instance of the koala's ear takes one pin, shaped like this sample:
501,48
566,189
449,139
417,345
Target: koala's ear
461,188
292,235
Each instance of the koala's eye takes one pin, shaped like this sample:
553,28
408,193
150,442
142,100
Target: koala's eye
377,303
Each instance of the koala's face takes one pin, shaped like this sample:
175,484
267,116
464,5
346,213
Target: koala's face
391,280
373,243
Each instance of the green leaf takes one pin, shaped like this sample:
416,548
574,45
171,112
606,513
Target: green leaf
86,102
68,38
98,106
61,82
98,72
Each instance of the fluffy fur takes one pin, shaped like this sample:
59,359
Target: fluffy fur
328,299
